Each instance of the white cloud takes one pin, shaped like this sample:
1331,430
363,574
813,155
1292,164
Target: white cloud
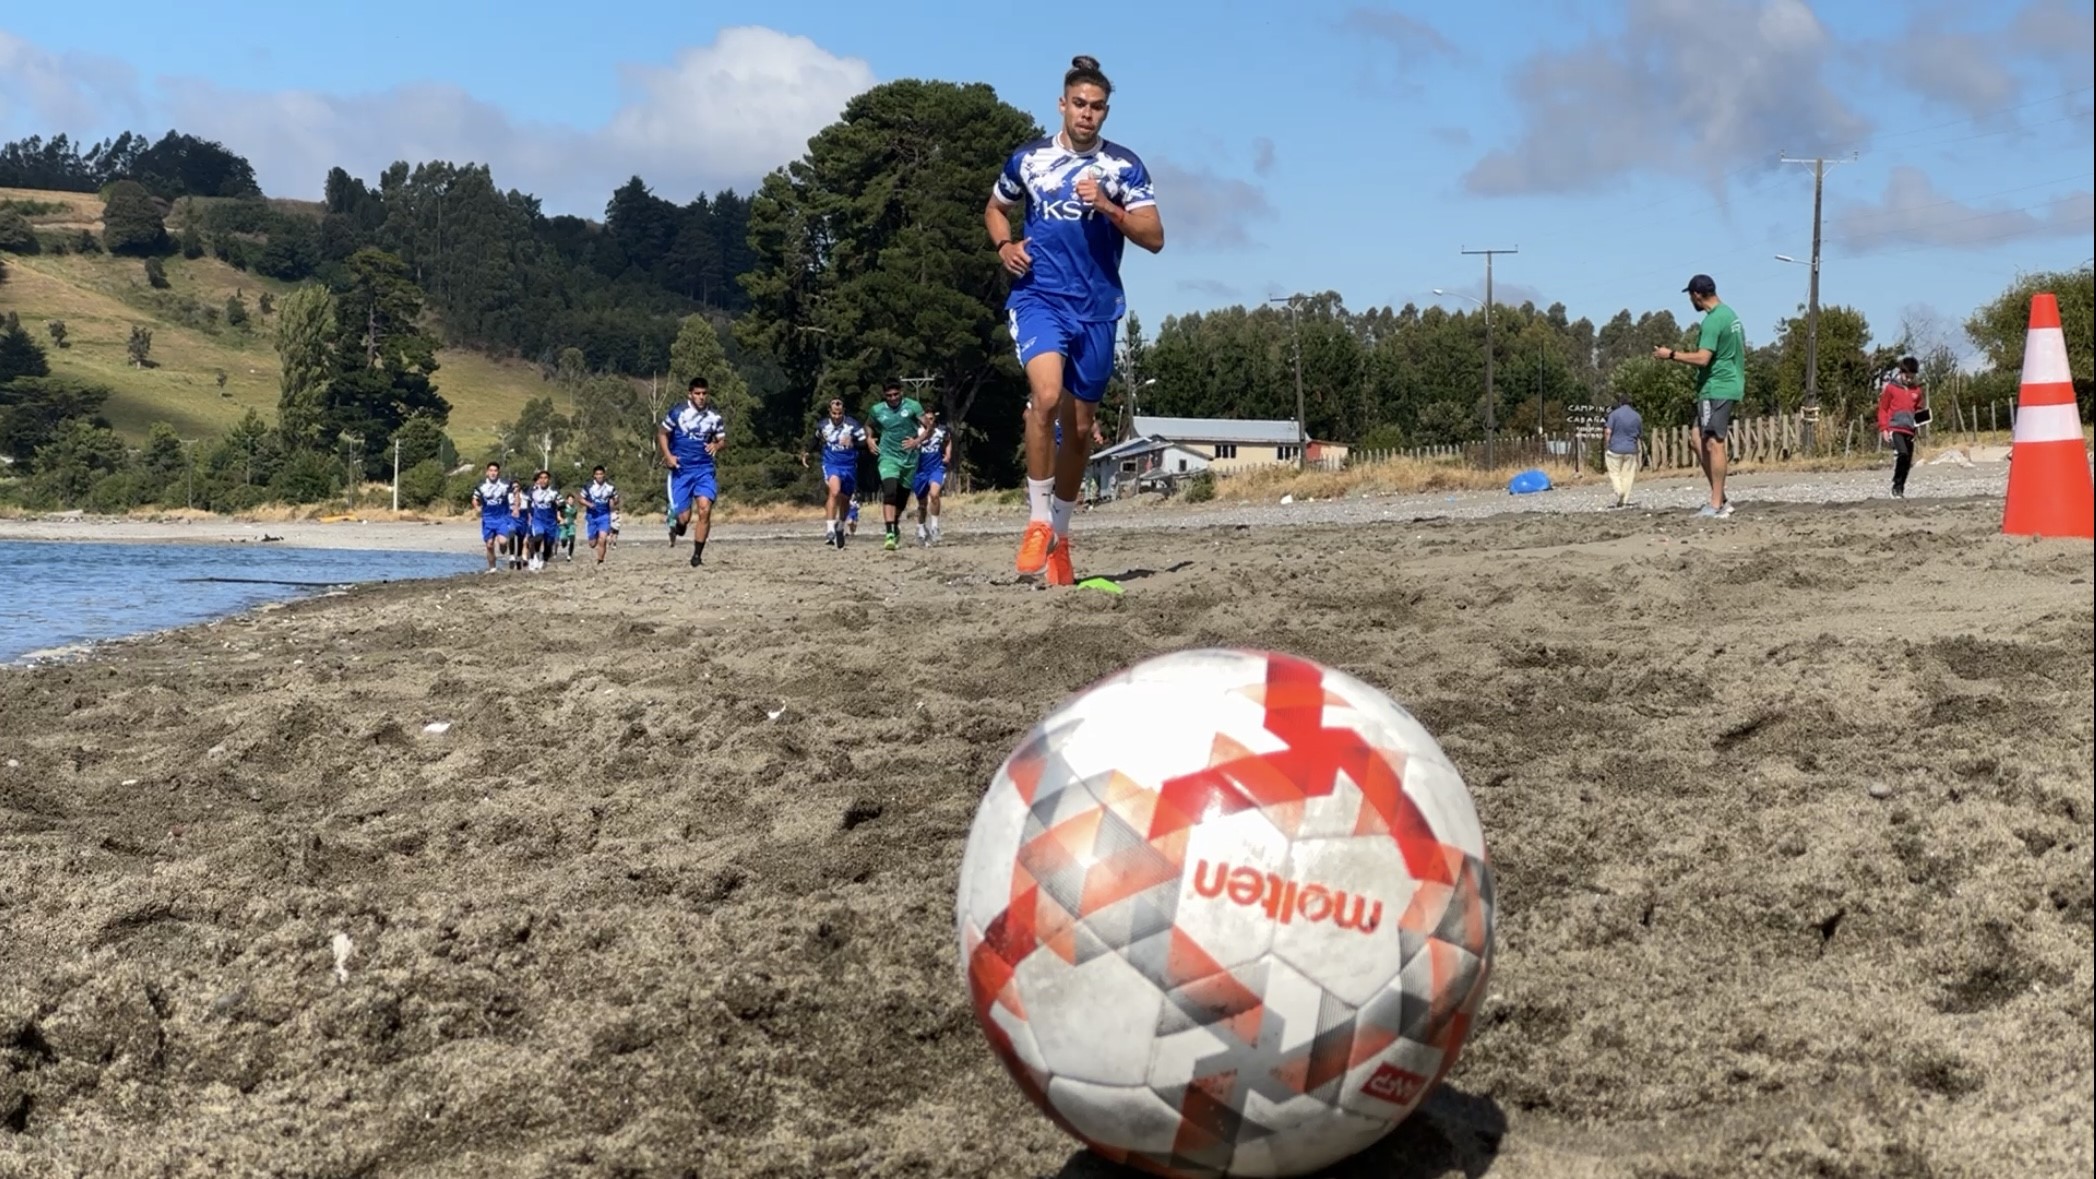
1913,212
1415,40
719,115
1985,68
738,107
1209,288
1656,97
60,91
1204,208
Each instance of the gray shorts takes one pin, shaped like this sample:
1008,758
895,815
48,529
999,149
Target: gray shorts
1714,418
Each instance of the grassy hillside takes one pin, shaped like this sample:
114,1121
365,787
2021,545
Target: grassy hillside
100,297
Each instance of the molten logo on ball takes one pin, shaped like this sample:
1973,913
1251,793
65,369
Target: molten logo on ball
1284,901
1226,911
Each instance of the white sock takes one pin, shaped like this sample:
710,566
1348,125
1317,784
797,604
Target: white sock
1038,493
829,527
935,523
1059,515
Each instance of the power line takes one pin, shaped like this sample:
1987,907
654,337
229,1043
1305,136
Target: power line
1875,139
1982,215
1962,200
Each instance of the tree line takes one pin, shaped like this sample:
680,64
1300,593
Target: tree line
862,259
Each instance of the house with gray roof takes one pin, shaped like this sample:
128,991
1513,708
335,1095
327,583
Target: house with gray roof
1232,445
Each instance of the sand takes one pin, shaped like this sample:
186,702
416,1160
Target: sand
1791,814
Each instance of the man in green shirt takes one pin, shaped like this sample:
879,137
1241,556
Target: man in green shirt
898,427
1720,361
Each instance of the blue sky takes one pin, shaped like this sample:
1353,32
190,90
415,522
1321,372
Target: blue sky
1621,145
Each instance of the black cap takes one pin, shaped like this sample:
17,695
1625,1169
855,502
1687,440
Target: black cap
1702,284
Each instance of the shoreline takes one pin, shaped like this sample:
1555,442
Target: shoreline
461,533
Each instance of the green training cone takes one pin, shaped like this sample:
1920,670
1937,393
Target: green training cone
1101,584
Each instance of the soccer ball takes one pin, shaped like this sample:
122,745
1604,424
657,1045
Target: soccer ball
1226,912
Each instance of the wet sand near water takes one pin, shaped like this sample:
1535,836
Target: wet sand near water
1791,814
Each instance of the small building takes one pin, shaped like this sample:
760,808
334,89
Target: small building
1128,467
1237,445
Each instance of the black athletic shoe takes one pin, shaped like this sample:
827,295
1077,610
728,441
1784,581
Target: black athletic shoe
695,562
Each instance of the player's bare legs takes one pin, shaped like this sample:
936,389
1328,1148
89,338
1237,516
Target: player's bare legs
1076,450
1044,376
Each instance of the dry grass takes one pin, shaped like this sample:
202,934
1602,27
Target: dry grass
100,297
81,210
1400,476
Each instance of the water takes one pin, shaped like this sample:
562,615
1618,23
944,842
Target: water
56,594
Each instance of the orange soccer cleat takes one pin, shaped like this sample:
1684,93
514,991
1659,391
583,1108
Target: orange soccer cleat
1033,548
1059,570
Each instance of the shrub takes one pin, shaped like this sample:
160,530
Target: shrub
422,484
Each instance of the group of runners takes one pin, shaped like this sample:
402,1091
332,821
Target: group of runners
523,527
1084,198
911,449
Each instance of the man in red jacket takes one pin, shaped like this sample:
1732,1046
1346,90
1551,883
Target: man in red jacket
1897,407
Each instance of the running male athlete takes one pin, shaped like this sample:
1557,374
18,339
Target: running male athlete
493,497
543,509
932,456
840,438
898,428
1084,197
598,499
689,436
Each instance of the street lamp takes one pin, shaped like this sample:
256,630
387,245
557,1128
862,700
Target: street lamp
1459,295
1302,437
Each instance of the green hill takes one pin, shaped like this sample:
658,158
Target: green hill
100,297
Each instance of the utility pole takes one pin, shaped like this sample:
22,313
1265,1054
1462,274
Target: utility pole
1295,335
1811,406
396,474
1491,416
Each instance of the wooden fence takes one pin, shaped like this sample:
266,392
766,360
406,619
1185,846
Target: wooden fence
1768,438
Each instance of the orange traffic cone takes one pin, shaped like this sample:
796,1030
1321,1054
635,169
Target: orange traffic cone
2051,492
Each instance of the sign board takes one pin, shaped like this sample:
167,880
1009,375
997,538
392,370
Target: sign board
1586,421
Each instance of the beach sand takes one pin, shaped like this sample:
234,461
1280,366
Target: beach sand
1791,815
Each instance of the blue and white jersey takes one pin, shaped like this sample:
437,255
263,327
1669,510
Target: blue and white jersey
841,442
545,505
597,497
690,430
495,498
1076,251
931,454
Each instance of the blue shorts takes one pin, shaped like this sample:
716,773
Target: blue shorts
493,528
598,526
545,528
926,476
847,481
1041,325
688,484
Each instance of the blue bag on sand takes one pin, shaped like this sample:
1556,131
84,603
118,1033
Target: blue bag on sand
1528,482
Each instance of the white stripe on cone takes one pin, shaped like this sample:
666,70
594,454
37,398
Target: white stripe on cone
2045,358
2048,423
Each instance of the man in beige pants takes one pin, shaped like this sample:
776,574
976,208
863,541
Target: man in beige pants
1620,437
